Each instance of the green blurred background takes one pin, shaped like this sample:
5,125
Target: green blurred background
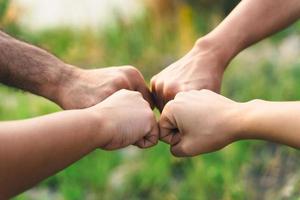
164,31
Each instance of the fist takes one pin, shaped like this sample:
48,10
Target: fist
197,122
85,88
198,69
126,118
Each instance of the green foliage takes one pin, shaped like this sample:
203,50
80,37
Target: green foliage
3,7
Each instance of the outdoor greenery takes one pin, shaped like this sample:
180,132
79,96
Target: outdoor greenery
243,170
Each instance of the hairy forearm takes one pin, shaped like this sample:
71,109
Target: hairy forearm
272,121
34,149
32,69
250,22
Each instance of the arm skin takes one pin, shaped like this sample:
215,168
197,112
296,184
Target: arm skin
203,66
197,122
33,69
34,149
252,21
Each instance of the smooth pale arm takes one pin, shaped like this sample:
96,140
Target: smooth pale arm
249,22
272,121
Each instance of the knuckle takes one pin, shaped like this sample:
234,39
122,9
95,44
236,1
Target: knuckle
256,101
132,71
124,91
153,80
170,106
121,81
150,115
193,91
147,104
136,94
144,104
109,91
180,94
171,90
205,91
159,85
173,87
149,128
148,119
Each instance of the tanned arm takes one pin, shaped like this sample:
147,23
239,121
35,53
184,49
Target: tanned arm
32,69
35,70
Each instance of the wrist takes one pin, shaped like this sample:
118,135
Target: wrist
234,121
81,125
69,76
249,112
100,126
222,51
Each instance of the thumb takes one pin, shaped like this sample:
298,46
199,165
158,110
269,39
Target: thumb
179,149
169,132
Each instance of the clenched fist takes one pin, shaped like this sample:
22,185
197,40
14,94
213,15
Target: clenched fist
197,122
125,118
201,68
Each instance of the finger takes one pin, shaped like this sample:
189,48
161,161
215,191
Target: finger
158,95
150,139
165,129
146,94
170,92
170,136
139,84
152,135
168,128
156,89
155,98
152,84
154,92
178,149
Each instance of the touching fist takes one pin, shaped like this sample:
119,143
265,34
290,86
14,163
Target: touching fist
126,118
197,122
85,88
200,68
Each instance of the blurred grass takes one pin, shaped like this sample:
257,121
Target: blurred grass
237,172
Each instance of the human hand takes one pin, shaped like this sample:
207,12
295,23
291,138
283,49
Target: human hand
197,122
125,118
85,88
201,68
